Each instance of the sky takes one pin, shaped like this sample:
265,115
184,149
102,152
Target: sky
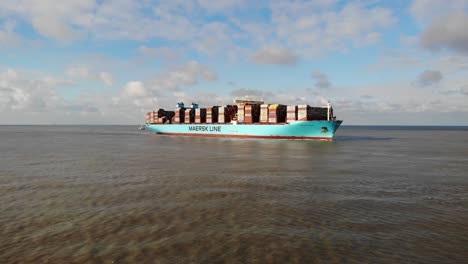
397,62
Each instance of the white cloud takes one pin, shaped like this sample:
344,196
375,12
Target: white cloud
464,90
427,10
275,55
164,52
252,93
396,60
135,89
20,93
447,32
8,36
322,80
83,72
188,74
429,77
55,19
216,38
307,27
78,71
26,99
313,30
106,78
220,5
452,63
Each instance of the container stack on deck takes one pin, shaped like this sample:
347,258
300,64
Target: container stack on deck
255,113
291,113
221,117
264,114
240,113
148,116
187,116
215,113
302,112
209,119
197,116
230,112
203,115
317,113
179,115
281,113
244,113
155,117
160,115
272,118
248,114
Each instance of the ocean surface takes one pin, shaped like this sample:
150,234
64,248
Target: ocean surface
112,194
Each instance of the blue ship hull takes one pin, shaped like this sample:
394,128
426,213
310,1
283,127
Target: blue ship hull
301,130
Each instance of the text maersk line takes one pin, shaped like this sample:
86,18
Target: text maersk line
205,128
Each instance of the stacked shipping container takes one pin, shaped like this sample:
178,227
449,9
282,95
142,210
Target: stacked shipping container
264,114
221,117
272,118
248,114
209,119
179,115
200,115
291,113
197,116
240,113
245,113
302,112
317,113
214,114
148,116
187,116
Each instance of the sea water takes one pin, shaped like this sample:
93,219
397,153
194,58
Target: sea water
112,194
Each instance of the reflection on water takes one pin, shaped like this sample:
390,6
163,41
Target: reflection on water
111,194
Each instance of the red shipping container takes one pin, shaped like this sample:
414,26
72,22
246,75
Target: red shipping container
248,114
197,116
291,113
209,118
187,116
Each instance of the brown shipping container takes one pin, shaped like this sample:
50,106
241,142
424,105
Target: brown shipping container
197,116
209,119
221,117
180,116
240,113
177,116
291,113
272,113
187,116
264,113
277,113
302,112
248,114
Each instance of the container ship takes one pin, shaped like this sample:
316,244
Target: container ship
246,119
